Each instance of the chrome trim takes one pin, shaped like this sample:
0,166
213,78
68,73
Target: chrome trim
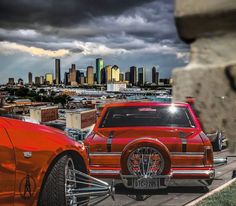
186,153
184,166
113,172
105,154
191,172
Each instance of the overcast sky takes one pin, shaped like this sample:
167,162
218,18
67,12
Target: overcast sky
123,32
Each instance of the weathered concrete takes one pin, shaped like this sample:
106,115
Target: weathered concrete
210,76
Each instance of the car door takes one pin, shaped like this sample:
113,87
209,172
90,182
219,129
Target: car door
7,169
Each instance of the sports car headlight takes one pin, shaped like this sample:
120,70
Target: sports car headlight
145,162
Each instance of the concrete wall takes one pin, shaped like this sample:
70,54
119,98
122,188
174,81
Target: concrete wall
210,29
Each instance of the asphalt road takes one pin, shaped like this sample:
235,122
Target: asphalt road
174,196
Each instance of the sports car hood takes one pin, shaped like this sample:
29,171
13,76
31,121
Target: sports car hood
173,138
23,133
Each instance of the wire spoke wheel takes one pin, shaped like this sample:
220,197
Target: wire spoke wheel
82,189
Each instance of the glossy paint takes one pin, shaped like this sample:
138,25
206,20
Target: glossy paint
186,147
26,152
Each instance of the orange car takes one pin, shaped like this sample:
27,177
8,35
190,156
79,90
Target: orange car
42,166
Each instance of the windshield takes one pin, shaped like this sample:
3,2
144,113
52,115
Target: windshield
164,116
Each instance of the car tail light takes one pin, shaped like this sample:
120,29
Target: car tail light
145,162
208,159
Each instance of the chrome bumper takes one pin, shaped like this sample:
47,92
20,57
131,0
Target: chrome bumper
205,174
178,176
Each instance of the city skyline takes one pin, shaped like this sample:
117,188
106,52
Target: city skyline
108,73
140,33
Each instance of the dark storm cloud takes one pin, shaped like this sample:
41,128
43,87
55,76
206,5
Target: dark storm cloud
59,13
123,32
114,23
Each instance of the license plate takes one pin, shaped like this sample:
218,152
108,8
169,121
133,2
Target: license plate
146,183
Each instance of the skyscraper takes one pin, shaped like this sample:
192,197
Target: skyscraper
78,76
73,74
115,74
66,78
99,66
42,80
37,80
108,73
127,76
90,79
11,81
155,76
58,71
141,76
48,78
122,77
82,78
30,77
133,75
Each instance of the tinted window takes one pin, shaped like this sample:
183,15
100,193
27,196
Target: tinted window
166,116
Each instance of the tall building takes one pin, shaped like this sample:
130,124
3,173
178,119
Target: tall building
133,76
37,80
42,80
122,77
66,78
155,75
127,76
141,76
73,75
49,78
115,74
108,73
157,78
30,78
99,66
103,76
11,81
90,79
78,76
58,71
82,78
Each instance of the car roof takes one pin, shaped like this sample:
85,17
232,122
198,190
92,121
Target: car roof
133,104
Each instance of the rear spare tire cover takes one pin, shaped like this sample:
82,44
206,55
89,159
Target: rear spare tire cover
145,153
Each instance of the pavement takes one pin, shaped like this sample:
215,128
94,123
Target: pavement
173,196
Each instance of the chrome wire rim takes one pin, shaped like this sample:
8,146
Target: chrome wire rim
145,162
70,185
84,190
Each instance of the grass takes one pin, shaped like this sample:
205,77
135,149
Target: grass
226,197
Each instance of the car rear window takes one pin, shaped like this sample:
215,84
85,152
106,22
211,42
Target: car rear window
163,116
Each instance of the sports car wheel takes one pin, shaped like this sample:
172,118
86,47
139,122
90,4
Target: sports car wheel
66,184
218,143
56,185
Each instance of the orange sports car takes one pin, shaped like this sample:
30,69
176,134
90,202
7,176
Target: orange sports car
147,144
42,166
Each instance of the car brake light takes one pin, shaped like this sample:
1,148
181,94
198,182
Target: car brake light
208,160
